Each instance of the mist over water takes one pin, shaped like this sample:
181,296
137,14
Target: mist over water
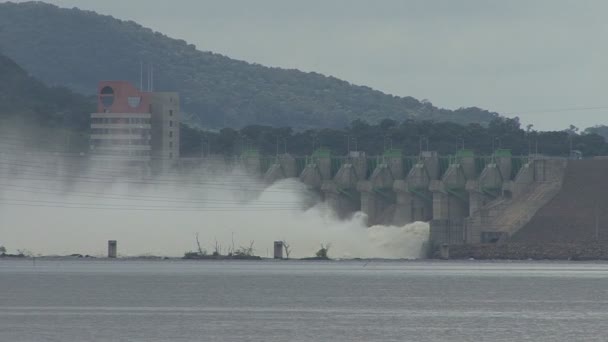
305,230
55,205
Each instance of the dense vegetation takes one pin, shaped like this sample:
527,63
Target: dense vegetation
78,48
59,112
32,113
25,99
599,130
409,136
23,96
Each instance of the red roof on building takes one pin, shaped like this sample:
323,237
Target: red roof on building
121,97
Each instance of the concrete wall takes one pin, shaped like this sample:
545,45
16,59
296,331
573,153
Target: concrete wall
536,183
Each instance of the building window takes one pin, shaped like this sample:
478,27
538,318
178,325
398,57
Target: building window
170,123
170,134
170,112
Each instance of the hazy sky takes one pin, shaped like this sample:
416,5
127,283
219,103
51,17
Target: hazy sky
537,59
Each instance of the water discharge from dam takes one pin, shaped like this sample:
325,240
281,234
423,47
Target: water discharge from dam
305,230
49,207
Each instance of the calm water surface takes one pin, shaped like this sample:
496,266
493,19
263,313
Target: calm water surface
88,300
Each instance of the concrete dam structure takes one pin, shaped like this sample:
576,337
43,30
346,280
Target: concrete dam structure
579,211
467,199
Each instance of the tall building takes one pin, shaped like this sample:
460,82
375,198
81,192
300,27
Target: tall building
136,127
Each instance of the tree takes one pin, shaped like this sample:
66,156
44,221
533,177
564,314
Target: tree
572,130
2,250
598,129
529,128
323,253
408,136
287,248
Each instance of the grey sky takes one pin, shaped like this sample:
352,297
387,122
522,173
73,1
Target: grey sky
516,57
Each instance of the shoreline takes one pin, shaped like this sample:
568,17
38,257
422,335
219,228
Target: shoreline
153,259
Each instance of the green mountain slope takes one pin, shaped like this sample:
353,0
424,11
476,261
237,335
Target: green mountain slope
34,114
24,98
78,48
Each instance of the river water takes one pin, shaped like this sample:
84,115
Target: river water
130,300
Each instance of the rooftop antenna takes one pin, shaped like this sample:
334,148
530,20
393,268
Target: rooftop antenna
151,77
148,79
141,75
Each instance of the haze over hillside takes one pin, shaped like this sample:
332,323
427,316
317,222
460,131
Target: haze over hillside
24,99
78,48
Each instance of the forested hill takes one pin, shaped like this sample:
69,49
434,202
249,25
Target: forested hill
57,119
77,48
25,99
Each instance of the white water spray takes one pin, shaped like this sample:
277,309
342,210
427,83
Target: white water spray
42,214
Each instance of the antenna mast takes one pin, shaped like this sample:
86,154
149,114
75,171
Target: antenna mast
141,75
151,77
148,79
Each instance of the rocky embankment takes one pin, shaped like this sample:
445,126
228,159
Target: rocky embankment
525,251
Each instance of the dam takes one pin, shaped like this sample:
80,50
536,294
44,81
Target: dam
467,199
